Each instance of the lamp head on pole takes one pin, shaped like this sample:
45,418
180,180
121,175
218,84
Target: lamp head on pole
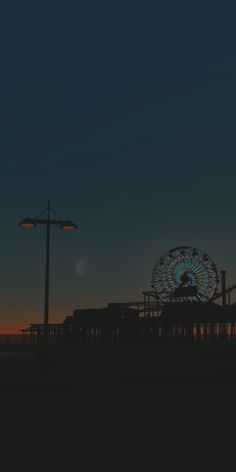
27,223
68,224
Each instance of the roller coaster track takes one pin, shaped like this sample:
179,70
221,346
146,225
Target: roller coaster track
219,294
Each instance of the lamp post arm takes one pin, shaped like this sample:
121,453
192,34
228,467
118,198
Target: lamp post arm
39,221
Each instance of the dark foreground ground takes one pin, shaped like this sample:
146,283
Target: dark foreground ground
133,408
29,368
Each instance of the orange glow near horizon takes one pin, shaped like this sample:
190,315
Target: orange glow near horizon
8,326
14,327
9,332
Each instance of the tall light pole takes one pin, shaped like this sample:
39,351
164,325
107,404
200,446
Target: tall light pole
63,224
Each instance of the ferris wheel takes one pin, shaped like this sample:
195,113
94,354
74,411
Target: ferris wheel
184,273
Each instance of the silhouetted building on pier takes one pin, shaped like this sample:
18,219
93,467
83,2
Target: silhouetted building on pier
198,312
107,325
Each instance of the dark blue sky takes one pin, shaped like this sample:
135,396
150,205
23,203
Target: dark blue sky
124,115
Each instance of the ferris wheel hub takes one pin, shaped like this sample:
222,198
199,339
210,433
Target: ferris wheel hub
185,278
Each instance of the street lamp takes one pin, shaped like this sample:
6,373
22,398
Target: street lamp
63,224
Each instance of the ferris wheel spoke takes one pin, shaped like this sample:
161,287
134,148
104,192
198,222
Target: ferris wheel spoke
201,273
195,265
191,265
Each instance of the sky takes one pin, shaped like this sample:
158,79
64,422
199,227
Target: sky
123,114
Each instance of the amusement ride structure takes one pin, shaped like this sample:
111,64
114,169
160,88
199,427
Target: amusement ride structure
183,274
